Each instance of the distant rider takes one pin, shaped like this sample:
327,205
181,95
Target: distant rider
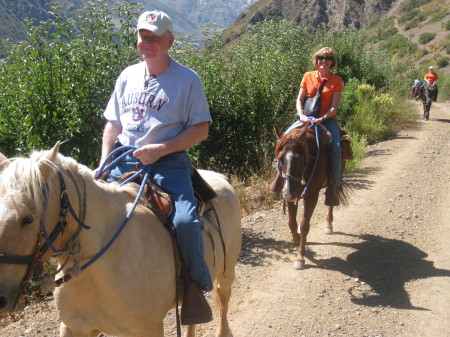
430,77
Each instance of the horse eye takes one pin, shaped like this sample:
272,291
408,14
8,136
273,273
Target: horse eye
27,220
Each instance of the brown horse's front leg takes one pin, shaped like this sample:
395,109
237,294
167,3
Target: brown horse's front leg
309,204
292,222
328,229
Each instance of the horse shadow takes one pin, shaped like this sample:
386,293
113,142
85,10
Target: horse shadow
442,120
386,265
257,249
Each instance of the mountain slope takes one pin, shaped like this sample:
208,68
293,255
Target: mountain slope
400,26
335,13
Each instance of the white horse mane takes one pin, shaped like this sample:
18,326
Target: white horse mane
23,181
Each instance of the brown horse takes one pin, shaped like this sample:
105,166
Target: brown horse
427,96
304,167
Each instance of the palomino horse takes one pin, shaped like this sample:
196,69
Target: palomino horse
428,95
128,290
304,168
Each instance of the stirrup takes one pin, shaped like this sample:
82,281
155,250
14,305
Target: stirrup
195,308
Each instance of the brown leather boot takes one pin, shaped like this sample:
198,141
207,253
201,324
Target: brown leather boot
331,198
276,185
195,308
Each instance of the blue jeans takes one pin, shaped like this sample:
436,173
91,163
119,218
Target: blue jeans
336,151
335,155
173,173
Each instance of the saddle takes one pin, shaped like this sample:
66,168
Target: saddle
195,308
346,139
162,201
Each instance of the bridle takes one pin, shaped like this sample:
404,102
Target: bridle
45,241
300,179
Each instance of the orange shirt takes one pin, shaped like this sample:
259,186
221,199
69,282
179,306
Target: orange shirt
311,83
431,77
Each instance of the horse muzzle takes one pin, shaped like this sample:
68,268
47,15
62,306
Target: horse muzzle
290,192
9,300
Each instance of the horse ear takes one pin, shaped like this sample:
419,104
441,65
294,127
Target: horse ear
49,157
278,131
3,161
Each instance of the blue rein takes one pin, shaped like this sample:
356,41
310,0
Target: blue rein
105,167
315,160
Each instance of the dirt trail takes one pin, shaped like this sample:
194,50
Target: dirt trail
385,272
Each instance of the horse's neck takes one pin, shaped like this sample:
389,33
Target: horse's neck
106,208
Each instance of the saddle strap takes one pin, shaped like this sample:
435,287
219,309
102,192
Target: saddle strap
221,237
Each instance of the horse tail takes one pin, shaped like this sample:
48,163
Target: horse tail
343,193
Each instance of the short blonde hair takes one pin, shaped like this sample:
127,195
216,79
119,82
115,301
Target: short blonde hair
326,52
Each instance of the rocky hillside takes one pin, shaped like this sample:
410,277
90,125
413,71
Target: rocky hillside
188,14
335,13
417,29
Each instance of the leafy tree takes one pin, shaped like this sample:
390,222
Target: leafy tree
57,83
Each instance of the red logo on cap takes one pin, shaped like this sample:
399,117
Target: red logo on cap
151,18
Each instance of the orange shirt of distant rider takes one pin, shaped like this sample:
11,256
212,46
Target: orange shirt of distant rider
311,83
431,77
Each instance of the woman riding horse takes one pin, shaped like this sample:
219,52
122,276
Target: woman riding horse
304,155
324,60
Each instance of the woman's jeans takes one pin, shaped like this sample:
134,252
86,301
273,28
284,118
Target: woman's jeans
336,151
335,154
173,173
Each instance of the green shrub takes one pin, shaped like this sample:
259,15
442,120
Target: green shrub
411,24
377,115
438,16
400,45
442,61
419,53
56,85
444,88
412,4
384,34
447,25
426,37
359,143
409,15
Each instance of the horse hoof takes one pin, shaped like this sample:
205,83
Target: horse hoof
299,265
328,230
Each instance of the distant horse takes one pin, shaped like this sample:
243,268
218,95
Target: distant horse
415,90
51,201
304,167
428,95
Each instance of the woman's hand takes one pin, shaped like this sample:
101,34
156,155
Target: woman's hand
303,118
317,120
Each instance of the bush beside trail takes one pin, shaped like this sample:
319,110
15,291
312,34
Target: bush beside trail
57,84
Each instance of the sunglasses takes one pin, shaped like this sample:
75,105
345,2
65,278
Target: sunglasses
326,58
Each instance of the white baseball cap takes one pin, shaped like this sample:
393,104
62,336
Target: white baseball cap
155,21
430,67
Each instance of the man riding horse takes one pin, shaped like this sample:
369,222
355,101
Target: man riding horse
431,78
